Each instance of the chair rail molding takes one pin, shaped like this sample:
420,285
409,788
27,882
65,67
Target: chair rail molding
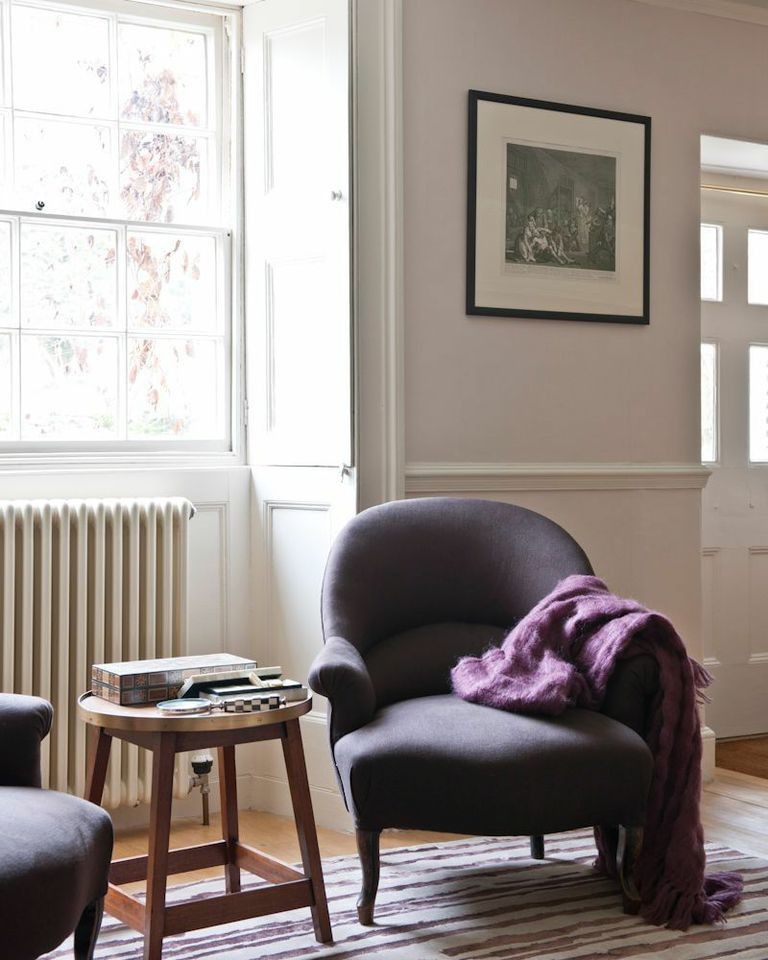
749,12
377,128
425,478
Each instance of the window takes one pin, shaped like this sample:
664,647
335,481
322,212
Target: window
115,228
709,437
757,267
758,403
711,262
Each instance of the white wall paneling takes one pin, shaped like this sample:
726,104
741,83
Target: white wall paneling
709,578
294,521
298,218
219,614
758,605
639,524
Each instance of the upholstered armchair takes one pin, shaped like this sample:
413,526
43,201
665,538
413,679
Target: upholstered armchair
409,588
54,849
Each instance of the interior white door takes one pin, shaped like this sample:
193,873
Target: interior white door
299,337
735,500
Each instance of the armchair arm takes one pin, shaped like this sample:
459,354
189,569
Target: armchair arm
340,674
631,692
24,723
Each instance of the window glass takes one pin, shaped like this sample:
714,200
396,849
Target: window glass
758,403
708,403
711,262
163,75
757,267
112,320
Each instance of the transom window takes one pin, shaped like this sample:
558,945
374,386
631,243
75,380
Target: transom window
115,227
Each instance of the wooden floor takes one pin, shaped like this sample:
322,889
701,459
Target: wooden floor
746,755
734,812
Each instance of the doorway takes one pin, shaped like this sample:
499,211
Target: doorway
734,367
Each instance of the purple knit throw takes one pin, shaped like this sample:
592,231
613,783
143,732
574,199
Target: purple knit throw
562,654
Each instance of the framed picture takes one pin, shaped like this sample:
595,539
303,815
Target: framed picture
558,211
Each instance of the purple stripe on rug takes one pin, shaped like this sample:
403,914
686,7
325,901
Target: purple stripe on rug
477,899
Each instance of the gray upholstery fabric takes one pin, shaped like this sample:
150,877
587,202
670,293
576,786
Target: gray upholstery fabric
412,563
418,662
440,763
54,857
24,723
54,849
410,587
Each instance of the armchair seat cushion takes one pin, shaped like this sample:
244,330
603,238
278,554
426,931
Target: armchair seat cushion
441,763
55,851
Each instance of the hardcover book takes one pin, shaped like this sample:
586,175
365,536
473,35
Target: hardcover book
137,682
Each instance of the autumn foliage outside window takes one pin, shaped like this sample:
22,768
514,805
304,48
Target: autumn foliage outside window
114,241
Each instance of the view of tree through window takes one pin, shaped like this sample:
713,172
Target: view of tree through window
113,235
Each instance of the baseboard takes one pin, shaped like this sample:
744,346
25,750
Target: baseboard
708,754
184,808
272,794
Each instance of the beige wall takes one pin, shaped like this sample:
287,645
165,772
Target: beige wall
487,389
483,390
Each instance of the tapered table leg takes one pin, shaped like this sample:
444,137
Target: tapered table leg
159,837
98,744
293,752
229,821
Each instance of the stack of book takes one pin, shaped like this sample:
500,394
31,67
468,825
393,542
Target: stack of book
230,683
265,689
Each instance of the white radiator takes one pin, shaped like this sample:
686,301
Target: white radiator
83,582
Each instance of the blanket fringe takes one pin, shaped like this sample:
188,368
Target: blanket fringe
677,909
702,679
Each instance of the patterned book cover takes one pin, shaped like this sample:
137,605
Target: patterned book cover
147,681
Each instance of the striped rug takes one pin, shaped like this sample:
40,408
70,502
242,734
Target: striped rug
478,899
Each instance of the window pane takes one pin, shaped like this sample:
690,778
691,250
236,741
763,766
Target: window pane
69,388
6,288
174,389
6,387
60,62
757,267
163,176
171,281
68,277
66,165
708,402
6,153
162,75
711,262
758,403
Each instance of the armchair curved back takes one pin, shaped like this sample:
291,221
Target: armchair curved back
414,584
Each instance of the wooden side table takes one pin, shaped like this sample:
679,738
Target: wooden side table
165,736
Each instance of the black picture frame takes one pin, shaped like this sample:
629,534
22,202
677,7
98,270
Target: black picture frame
606,268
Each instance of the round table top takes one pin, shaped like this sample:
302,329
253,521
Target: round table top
102,713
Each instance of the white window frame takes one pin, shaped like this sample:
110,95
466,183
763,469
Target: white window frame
227,85
718,227
716,460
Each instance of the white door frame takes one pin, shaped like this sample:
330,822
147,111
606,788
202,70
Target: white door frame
377,178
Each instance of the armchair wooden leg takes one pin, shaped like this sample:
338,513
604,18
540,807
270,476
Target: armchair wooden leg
87,930
628,850
537,847
368,850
